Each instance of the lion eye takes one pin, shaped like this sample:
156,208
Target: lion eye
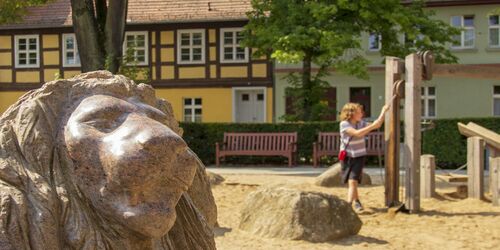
107,124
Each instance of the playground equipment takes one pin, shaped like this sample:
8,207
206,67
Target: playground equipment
417,67
480,138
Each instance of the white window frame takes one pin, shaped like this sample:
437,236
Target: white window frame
493,27
495,96
379,41
146,46
426,97
462,33
74,50
37,51
190,46
192,107
234,96
234,46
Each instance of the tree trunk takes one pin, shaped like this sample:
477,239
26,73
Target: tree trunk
307,87
87,36
115,31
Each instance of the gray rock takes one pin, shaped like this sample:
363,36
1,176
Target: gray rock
332,177
280,212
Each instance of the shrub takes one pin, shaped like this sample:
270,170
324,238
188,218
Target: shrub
444,141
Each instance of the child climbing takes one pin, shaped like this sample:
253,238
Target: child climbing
353,130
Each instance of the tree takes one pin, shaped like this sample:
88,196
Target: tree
328,33
99,27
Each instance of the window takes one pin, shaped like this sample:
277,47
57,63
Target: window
191,46
494,31
429,102
27,55
466,38
71,57
192,109
496,100
231,50
374,42
135,46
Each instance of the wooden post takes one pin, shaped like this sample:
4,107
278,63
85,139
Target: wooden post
392,131
495,176
427,176
413,65
475,167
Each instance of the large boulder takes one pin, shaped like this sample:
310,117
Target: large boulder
214,179
332,177
281,212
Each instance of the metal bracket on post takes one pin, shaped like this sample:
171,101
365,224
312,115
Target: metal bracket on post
427,58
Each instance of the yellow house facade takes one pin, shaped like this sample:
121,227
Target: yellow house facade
194,62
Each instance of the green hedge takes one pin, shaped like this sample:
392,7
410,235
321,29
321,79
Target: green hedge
444,141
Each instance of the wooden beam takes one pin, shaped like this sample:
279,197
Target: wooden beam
392,132
475,167
495,179
472,129
427,176
413,65
453,178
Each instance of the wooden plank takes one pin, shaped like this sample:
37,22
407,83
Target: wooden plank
427,176
412,118
454,178
494,170
472,129
392,132
475,167
495,179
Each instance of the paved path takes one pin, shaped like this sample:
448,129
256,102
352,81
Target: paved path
298,170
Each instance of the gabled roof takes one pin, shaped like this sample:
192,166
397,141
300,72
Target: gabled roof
58,13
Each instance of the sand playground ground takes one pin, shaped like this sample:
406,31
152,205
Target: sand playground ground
448,221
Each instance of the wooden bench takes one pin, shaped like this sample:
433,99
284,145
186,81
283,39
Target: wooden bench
260,144
328,144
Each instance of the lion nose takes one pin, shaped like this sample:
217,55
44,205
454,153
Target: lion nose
159,138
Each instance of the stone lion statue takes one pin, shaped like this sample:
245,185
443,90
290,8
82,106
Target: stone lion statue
97,162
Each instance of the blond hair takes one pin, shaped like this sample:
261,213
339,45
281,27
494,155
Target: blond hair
348,110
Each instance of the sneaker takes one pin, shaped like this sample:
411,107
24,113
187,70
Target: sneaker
357,206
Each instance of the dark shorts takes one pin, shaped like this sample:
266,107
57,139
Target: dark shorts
352,168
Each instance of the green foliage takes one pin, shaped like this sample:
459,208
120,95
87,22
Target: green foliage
12,10
328,33
129,67
447,144
300,95
444,141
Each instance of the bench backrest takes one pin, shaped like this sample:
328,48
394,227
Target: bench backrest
259,141
330,141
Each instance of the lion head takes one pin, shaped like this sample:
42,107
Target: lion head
96,162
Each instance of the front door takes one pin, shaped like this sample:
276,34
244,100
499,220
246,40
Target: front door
249,105
363,97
